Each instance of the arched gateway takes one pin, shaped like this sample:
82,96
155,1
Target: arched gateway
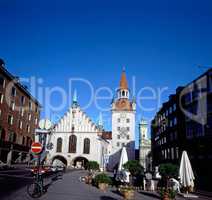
59,160
80,162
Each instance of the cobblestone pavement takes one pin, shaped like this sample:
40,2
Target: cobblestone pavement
70,188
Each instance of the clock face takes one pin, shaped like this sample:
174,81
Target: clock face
123,132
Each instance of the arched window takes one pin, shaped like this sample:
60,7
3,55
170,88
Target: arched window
123,93
86,149
72,144
59,145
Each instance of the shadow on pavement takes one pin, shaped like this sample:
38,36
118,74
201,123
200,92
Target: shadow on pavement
106,198
53,179
150,194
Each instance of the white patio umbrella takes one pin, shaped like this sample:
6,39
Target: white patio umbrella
122,174
123,159
186,173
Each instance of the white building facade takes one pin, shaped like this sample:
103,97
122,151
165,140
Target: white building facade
123,123
77,140
144,146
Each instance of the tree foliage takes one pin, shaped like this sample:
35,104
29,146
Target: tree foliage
92,165
168,170
134,167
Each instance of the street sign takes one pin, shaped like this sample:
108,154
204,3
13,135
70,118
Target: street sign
36,147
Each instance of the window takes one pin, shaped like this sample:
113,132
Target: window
128,128
12,137
175,121
172,153
118,128
128,120
1,98
22,112
86,149
2,82
13,92
20,124
119,120
174,107
29,117
170,110
165,154
28,128
128,137
59,145
118,144
72,144
30,105
36,121
177,152
118,136
12,105
168,154
10,120
170,123
123,144
22,100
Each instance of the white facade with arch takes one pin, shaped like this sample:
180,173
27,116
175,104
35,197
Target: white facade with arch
76,123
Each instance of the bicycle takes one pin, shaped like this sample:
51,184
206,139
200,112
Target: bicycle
36,189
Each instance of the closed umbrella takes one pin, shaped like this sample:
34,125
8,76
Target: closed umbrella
122,174
123,159
186,173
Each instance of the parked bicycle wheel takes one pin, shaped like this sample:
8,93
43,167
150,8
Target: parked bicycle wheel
34,190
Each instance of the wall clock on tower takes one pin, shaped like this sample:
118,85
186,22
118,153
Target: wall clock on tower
123,132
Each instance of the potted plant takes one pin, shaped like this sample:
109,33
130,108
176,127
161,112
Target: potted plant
92,166
102,181
167,194
89,178
128,192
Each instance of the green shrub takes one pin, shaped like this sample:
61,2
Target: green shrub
134,167
92,165
102,178
168,170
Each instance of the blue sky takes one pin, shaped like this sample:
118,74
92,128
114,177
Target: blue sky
159,42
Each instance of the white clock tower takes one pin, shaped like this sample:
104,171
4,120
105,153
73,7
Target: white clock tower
123,123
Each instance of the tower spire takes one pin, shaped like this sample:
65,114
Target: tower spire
100,122
123,82
74,100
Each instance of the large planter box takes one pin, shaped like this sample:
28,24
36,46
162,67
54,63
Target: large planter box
103,186
128,194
